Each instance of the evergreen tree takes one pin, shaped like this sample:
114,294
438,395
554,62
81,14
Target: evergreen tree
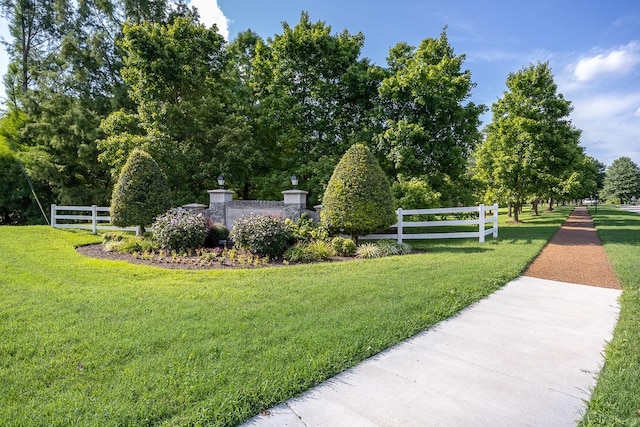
358,198
141,192
16,206
64,77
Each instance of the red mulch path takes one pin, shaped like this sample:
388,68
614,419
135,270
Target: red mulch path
575,255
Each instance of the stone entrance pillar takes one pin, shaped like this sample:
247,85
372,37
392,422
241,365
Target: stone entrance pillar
217,201
295,203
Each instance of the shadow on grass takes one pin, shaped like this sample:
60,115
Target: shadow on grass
452,249
617,226
541,220
627,236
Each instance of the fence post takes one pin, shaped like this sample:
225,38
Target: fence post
399,213
53,215
481,224
495,220
94,218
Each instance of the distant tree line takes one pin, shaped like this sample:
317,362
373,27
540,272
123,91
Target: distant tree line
91,81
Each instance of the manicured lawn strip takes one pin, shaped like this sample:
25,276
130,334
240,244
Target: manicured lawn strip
95,342
616,398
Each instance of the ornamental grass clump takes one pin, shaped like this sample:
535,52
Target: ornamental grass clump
343,246
389,247
382,248
369,250
179,230
317,250
262,234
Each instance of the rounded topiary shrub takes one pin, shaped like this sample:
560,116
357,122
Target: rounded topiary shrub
141,192
358,197
179,230
261,234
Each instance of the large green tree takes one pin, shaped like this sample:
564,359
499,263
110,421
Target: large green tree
622,180
431,127
590,178
64,77
175,73
531,148
317,98
250,154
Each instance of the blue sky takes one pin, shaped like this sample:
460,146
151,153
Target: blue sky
593,48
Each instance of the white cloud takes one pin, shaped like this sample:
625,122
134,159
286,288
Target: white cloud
210,13
618,61
607,110
609,124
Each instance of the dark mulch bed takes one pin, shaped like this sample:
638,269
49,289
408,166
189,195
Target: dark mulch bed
96,251
180,262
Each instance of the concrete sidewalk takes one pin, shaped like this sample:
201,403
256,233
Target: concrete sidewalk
527,355
630,208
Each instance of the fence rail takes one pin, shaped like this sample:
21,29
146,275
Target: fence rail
482,220
84,217
93,218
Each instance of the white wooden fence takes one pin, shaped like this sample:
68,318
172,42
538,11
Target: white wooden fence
480,221
84,217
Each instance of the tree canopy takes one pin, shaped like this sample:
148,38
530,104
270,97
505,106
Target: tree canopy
89,82
531,150
174,72
63,80
316,98
622,180
431,127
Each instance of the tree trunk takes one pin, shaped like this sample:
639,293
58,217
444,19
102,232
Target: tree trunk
550,204
516,212
534,205
245,190
509,213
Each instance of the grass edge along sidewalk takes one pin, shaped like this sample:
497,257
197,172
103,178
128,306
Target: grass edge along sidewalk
615,401
96,342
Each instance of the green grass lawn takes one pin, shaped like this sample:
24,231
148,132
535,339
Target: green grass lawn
616,398
96,342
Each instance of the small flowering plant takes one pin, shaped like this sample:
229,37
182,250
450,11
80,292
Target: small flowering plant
262,234
179,230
